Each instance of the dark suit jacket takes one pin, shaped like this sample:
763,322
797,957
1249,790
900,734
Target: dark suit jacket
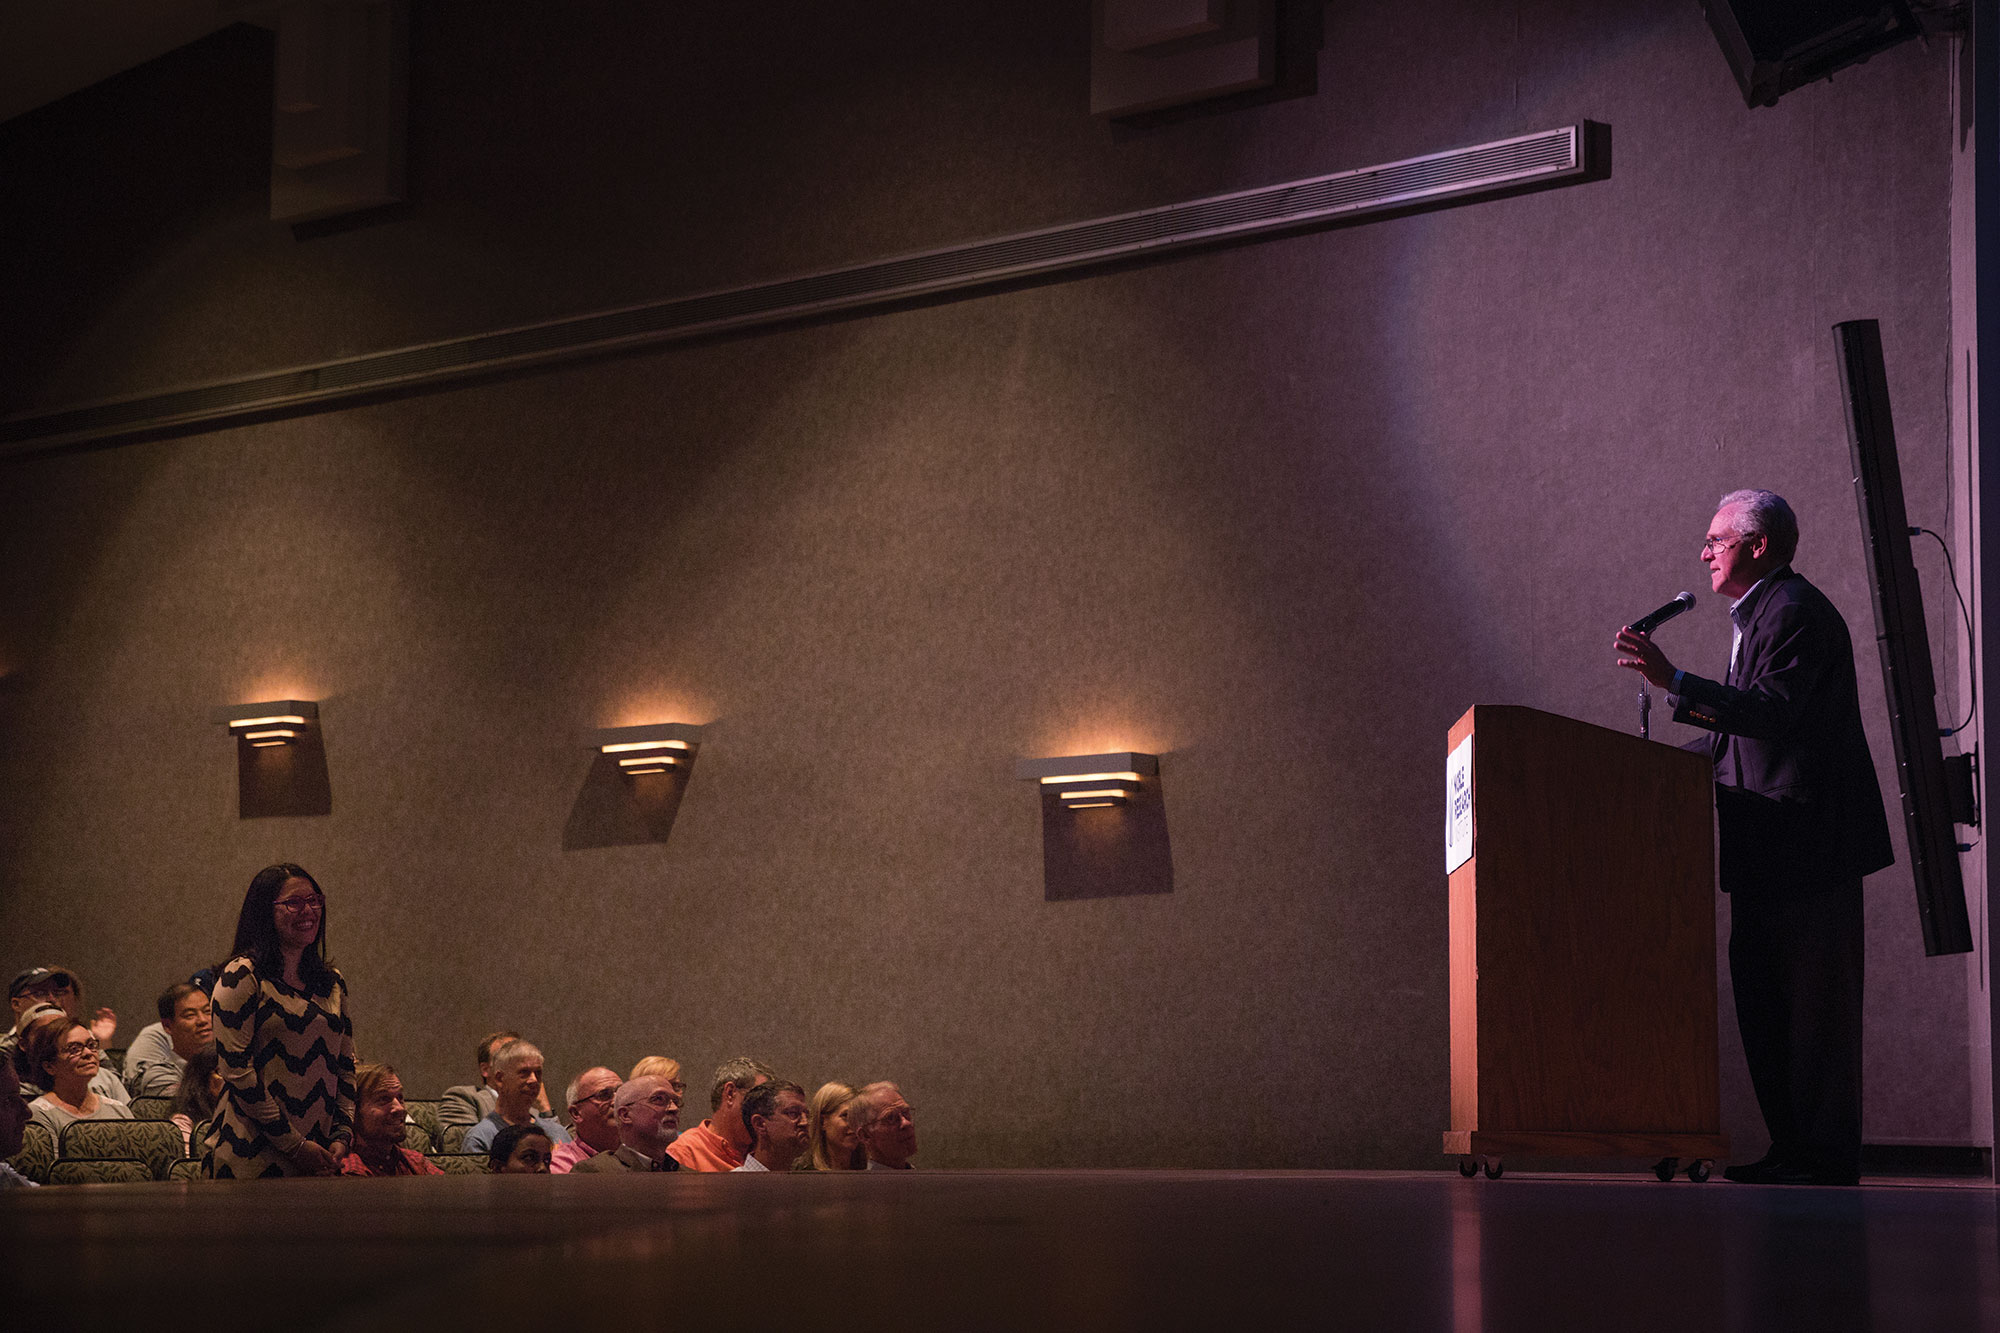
1797,802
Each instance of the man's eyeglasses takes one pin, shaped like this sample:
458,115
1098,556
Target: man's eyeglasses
602,1098
1719,545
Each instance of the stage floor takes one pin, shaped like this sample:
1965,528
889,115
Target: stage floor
1003,1250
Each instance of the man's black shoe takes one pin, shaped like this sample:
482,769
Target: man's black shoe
1777,1171
1753,1173
1793,1173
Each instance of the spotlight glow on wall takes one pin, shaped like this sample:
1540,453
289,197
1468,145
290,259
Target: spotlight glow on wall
1090,781
659,748
279,722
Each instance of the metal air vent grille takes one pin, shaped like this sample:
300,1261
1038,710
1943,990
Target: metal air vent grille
1509,166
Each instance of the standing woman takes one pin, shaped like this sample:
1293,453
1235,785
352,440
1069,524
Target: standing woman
282,1038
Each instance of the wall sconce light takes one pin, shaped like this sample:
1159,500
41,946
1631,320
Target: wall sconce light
281,722
280,758
632,793
1090,781
660,748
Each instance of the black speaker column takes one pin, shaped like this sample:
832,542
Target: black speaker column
1775,46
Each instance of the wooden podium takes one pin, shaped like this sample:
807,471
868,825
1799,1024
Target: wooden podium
1582,946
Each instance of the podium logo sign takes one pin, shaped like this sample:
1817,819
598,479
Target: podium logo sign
1458,806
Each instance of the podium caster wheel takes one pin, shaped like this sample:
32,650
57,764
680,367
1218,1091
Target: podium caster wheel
1698,1171
1467,1167
1493,1168
1667,1166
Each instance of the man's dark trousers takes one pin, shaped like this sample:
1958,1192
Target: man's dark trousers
1795,960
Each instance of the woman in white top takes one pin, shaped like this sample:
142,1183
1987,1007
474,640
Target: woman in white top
65,1058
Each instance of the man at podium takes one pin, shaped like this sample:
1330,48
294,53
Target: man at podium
1801,820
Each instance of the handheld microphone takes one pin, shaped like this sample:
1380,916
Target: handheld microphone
1646,624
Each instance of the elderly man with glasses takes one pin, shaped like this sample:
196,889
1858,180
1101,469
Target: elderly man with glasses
1800,817
592,1123
648,1111
517,1085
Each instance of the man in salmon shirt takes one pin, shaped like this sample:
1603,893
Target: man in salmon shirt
720,1142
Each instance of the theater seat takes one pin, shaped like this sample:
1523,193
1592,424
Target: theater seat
99,1171
459,1163
152,1108
424,1114
187,1170
37,1155
157,1143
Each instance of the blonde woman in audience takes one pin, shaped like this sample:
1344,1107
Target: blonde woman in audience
660,1066
65,1057
833,1131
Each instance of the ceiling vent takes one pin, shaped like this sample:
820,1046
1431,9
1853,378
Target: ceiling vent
1551,158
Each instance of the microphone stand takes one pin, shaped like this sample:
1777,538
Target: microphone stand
1645,713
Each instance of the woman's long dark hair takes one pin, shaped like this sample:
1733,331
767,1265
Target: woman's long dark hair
257,929
192,1099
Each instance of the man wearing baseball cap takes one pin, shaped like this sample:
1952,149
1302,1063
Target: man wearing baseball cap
41,988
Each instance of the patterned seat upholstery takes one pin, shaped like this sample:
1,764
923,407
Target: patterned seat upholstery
426,1115
37,1155
99,1171
459,1163
417,1139
452,1139
185,1170
156,1143
152,1108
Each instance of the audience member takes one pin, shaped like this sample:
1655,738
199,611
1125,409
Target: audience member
661,1066
593,1128
14,1117
160,1051
55,990
468,1105
719,1142
379,1120
648,1111
59,988
196,1098
34,989
517,1085
282,1033
520,1150
890,1131
774,1115
833,1130
65,1056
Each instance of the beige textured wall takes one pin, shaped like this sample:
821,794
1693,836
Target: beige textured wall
1278,514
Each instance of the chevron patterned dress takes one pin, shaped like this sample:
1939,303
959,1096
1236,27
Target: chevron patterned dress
287,1063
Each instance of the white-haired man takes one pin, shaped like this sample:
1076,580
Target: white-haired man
517,1082
890,1134
647,1111
593,1125
1800,820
